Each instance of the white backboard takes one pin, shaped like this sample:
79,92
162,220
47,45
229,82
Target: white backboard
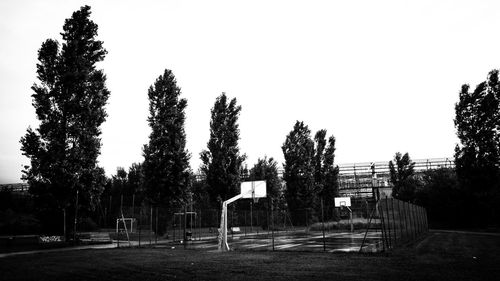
253,189
342,201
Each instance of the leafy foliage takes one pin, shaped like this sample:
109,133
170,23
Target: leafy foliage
310,173
477,158
402,177
331,172
69,101
166,166
325,172
298,151
440,194
221,162
267,169
135,179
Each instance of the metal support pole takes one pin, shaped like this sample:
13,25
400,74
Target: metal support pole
133,205
76,217
388,221
139,225
394,222
64,224
150,225
323,225
184,230
156,226
110,199
406,219
400,221
272,222
251,217
382,221
414,221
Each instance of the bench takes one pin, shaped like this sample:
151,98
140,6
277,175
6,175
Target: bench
235,229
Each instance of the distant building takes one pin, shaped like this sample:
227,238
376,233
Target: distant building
357,180
22,188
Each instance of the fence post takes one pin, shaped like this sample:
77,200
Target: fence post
323,225
381,215
150,225
410,233
307,224
426,221
139,226
419,221
400,220
406,220
394,222
388,223
272,222
251,216
422,218
412,218
156,226
184,234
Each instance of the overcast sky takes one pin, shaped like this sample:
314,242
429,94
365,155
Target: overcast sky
382,76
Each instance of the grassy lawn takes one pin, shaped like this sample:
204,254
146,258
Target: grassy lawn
441,256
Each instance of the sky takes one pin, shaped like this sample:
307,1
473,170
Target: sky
381,76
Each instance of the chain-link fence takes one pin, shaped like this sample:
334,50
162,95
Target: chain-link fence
266,225
402,222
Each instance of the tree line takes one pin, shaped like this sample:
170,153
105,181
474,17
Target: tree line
467,195
70,100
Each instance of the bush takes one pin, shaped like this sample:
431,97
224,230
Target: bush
87,224
13,223
358,224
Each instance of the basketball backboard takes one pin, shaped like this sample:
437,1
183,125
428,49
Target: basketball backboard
342,201
253,189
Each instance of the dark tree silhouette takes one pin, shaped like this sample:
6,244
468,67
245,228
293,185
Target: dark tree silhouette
298,151
222,161
402,177
477,158
166,160
70,101
267,169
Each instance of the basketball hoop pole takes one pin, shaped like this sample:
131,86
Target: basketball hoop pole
223,246
247,191
350,218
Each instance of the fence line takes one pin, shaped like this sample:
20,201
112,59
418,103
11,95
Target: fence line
402,222
376,226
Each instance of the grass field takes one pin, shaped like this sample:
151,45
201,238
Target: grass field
441,256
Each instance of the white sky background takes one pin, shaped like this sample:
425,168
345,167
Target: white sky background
382,76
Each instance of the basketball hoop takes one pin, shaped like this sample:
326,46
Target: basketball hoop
250,190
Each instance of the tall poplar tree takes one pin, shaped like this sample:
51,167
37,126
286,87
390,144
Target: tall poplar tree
319,157
331,172
298,151
222,160
166,160
325,171
70,101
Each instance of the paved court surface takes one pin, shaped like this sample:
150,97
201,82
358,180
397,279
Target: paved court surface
312,241
284,241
